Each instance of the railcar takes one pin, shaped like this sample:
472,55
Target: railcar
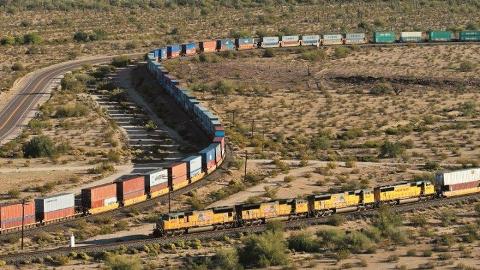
327,204
404,192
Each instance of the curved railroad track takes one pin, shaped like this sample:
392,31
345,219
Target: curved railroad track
291,224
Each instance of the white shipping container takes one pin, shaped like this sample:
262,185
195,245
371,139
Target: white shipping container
458,177
332,37
411,34
311,38
110,201
270,39
196,164
355,36
54,203
290,38
157,177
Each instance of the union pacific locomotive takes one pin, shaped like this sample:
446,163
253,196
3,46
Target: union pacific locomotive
448,184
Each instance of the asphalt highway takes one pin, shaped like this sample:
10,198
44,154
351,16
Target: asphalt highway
15,112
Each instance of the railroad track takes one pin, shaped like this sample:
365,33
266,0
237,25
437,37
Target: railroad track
121,212
291,224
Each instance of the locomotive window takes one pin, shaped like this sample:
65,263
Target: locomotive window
230,214
388,189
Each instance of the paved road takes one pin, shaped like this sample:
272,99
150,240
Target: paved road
16,111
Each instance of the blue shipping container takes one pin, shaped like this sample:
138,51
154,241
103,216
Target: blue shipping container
225,45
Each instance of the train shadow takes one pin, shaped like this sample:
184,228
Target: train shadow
114,240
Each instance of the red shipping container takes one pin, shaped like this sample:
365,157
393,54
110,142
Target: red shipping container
220,140
131,187
58,214
14,223
11,214
177,172
208,46
158,187
93,195
246,47
462,186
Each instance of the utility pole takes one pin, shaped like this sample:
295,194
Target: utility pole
169,200
253,124
23,220
246,160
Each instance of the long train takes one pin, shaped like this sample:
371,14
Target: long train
448,184
130,190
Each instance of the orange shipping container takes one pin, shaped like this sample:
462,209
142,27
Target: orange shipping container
208,46
177,172
11,214
95,196
131,187
58,214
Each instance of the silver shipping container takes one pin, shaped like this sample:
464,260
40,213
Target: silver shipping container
311,38
333,37
355,36
411,34
157,177
270,39
457,177
290,38
54,203
196,164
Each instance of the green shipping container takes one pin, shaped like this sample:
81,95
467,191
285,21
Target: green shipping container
469,36
440,36
384,37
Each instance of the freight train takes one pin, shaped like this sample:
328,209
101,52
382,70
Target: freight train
246,43
447,184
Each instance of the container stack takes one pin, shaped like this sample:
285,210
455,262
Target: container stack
208,46
177,175
411,36
100,198
440,36
189,49
11,215
225,45
156,182
290,41
469,36
55,207
311,40
194,168
245,43
131,190
459,182
270,42
208,158
355,38
221,141
384,37
173,51
333,39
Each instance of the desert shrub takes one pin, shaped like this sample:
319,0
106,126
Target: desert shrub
121,61
8,40
76,110
466,66
267,249
341,52
102,168
225,259
336,220
268,53
18,67
391,149
432,166
40,146
80,36
224,87
32,38
313,55
381,89
303,242
418,221
468,108
122,262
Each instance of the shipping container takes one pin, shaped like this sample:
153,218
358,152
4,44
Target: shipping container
355,38
225,45
221,141
411,36
208,158
332,39
131,189
245,43
290,41
208,46
194,168
461,186
11,215
100,196
173,51
311,40
384,37
219,132
156,182
270,42
189,49
177,173
440,36
469,36
218,153
457,177
53,207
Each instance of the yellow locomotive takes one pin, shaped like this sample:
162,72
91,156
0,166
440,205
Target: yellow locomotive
403,192
322,205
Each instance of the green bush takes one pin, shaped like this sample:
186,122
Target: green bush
391,149
341,52
466,66
303,242
313,55
122,262
381,89
76,110
40,146
225,259
121,61
267,249
268,53
32,38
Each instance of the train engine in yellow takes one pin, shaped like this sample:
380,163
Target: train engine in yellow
327,204
404,192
